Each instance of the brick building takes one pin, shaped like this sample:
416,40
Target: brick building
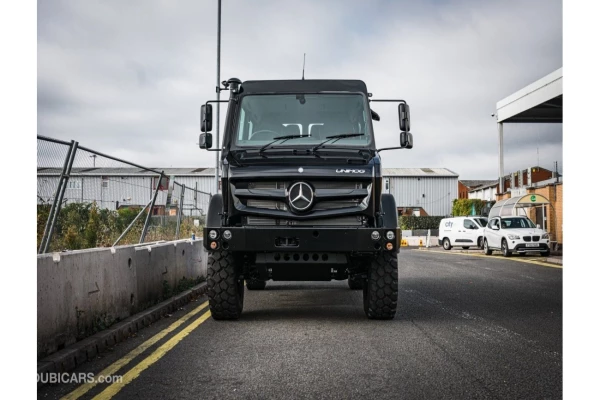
552,189
465,186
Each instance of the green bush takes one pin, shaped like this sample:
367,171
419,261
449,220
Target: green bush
463,207
411,222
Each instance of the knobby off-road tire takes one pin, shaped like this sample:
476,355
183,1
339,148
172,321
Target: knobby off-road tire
225,288
255,284
355,282
380,293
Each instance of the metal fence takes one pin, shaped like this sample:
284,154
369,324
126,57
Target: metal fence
89,199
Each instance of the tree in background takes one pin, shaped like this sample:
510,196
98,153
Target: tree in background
464,207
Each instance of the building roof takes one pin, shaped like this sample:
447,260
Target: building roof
476,184
483,187
542,101
129,171
435,172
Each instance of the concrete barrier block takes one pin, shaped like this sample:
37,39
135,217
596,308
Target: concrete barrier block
80,292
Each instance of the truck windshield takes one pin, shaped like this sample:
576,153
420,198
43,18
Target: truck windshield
262,118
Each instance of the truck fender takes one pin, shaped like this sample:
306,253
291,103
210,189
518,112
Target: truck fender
215,209
390,212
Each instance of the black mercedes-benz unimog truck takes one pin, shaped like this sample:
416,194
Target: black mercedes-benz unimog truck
301,193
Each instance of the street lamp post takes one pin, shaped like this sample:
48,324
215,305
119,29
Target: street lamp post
218,94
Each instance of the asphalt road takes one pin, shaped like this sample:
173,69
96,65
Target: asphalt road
466,327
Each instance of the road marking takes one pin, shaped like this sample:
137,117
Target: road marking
117,365
536,262
133,373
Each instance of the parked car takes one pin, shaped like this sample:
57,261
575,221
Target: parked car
461,231
515,235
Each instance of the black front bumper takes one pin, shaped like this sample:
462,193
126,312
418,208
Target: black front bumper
287,239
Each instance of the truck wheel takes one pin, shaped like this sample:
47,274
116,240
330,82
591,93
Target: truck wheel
486,248
505,251
380,292
225,286
255,284
446,244
355,282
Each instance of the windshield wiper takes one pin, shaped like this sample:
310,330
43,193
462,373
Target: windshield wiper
335,138
284,138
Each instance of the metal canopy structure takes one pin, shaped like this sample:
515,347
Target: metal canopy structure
540,102
508,207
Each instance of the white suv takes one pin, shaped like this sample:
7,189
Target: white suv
514,234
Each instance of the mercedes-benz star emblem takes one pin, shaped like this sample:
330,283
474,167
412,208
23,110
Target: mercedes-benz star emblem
301,196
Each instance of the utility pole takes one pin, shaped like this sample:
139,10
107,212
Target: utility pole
218,95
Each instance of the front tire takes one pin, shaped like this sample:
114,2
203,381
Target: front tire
225,286
380,292
486,248
505,251
446,244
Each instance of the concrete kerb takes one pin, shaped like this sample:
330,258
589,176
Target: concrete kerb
68,359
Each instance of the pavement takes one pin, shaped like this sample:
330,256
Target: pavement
467,327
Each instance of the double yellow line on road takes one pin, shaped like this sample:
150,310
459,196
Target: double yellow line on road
523,260
114,388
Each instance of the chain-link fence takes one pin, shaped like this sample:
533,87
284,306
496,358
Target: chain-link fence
90,199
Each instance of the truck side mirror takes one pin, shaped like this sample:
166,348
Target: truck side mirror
206,118
205,140
406,140
404,116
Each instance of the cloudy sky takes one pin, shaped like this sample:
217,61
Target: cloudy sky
128,78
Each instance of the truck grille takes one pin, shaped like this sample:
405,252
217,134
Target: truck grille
266,203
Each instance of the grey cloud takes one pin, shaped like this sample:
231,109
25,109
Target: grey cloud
128,77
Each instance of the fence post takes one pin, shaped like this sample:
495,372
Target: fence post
145,230
60,192
131,224
180,211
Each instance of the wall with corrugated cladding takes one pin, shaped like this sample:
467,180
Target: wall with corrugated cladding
434,194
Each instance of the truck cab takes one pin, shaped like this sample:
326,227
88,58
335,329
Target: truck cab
301,193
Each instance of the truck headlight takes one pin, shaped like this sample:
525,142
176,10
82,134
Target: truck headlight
545,236
514,237
227,234
389,235
375,235
213,234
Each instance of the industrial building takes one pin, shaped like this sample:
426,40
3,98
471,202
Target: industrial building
418,191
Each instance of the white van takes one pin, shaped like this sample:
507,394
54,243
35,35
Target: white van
461,231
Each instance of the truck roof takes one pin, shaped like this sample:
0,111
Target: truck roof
304,86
